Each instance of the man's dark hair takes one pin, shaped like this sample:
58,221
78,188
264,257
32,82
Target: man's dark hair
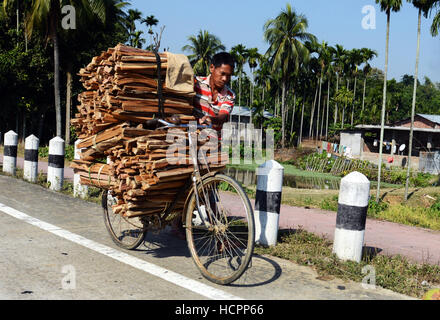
223,58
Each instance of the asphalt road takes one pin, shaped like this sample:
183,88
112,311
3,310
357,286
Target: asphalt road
56,247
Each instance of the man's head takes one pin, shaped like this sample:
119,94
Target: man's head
221,68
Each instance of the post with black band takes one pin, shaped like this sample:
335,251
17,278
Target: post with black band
268,202
79,190
354,195
10,153
55,170
30,167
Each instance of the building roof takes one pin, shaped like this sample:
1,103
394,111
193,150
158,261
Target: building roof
245,112
368,126
431,117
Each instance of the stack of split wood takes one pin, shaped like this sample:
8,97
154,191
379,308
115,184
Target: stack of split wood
146,169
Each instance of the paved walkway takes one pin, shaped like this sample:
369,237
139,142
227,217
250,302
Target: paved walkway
417,244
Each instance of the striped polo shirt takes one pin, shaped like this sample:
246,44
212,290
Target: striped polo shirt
204,102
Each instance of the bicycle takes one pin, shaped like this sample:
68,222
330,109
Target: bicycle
217,216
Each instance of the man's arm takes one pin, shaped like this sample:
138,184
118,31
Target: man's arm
215,120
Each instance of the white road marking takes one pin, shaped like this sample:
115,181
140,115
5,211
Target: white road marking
170,276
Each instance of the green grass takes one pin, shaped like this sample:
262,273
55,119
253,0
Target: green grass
394,273
288,170
291,170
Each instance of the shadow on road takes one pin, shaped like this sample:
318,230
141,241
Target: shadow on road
164,244
261,271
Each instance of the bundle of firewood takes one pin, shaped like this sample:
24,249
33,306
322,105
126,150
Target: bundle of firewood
119,151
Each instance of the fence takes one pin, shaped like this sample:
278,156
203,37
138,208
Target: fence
429,162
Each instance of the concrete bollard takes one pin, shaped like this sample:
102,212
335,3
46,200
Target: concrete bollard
30,167
79,190
268,202
55,170
354,195
10,153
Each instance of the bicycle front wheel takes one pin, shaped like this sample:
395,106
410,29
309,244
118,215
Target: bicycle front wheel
126,233
220,229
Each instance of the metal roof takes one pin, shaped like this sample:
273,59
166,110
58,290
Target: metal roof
431,117
245,112
367,126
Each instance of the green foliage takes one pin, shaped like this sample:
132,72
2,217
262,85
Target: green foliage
436,206
43,152
393,175
275,124
69,152
374,207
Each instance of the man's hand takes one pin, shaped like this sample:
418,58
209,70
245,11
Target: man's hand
205,120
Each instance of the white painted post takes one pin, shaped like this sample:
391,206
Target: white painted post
10,153
55,170
30,166
354,195
268,202
79,190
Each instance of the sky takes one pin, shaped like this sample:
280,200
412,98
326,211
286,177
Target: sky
334,21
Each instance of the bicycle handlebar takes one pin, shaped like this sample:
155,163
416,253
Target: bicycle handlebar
171,125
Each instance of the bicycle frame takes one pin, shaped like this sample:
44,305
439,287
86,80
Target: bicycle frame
196,177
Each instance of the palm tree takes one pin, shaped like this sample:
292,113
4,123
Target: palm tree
136,40
150,21
387,6
286,50
263,76
338,66
240,54
133,15
330,71
45,15
356,59
424,7
435,27
203,47
252,59
367,55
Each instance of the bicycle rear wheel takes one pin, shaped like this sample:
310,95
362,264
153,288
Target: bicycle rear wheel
126,233
223,246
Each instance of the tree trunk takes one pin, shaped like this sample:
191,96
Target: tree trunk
293,113
354,101
24,124
239,99
302,118
363,96
336,105
56,53
283,115
312,114
383,109
319,108
322,119
68,102
328,108
411,132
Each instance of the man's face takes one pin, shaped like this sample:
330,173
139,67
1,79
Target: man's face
220,76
